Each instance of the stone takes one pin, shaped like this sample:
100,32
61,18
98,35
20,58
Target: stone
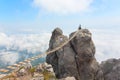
75,58
68,78
27,66
21,72
83,46
44,66
39,68
38,76
111,69
62,59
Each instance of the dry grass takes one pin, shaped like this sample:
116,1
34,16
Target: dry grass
48,76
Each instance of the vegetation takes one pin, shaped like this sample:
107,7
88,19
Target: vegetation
31,71
48,76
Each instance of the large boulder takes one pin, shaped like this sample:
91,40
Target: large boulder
84,49
68,78
75,58
83,45
111,69
63,60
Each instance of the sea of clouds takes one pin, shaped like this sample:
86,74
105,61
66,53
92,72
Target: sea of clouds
12,47
107,43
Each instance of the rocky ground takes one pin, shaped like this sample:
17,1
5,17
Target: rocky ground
40,72
27,72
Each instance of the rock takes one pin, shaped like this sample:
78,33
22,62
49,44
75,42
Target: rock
48,67
24,70
44,66
39,68
84,49
62,59
38,76
68,78
83,45
111,69
76,58
21,72
27,66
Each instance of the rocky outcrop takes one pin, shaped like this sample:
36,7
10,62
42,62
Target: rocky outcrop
40,72
24,69
63,60
76,58
44,66
111,69
84,49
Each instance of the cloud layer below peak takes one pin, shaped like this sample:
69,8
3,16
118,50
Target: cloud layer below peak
106,43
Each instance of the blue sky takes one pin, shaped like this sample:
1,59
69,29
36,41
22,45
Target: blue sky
17,16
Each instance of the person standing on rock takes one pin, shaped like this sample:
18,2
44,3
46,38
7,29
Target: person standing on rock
79,27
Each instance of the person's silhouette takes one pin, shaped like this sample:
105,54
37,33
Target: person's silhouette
79,27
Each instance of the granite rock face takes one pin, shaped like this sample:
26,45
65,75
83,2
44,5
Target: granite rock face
76,58
84,49
111,69
63,60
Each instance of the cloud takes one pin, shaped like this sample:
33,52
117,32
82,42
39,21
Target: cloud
63,6
30,42
5,40
8,58
107,44
14,47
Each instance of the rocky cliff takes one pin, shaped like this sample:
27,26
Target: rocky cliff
76,59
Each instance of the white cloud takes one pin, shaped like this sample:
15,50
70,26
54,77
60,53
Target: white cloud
63,6
107,44
12,45
30,42
8,58
5,40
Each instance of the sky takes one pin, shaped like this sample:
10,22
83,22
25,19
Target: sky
101,17
18,16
